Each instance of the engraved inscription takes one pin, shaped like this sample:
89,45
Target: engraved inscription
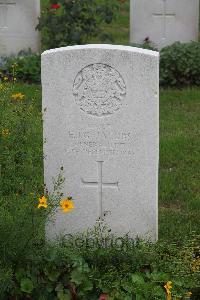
99,90
100,140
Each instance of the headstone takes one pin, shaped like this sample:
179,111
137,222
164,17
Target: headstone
18,19
100,107
164,21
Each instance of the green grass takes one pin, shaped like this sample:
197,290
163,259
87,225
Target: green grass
179,188
179,193
21,150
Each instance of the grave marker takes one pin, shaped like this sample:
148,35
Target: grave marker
18,20
100,107
164,21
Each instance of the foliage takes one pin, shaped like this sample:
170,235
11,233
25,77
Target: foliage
75,22
24,67
180,65
21,224
84,266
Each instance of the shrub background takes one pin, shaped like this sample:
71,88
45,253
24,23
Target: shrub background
179,65
75,22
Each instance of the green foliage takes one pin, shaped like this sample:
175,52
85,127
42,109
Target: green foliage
25,67
180,65
21,224
75,22
26,285
84,266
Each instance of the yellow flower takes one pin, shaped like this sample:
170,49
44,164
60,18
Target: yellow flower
168,287
5,132
17,96
42,202
5,78
196,265
67,204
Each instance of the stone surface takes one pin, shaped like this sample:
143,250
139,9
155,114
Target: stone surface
164,21
18,19
100,107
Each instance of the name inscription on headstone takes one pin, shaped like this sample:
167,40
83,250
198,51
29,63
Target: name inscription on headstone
100,140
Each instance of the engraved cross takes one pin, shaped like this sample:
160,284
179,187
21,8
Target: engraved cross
100,185
164,17
4,4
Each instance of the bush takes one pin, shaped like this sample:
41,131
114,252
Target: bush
24,67
75,22
180,65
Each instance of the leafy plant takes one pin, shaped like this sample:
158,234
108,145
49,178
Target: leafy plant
24,67
180,65
72,22
85,267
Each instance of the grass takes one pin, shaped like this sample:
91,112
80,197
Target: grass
21,150
179,189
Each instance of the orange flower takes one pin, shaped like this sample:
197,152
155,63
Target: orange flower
168,287
189,294
5,132
42,202
67,204
17,96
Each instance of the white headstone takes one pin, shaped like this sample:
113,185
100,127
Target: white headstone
18,19
164,21
101,125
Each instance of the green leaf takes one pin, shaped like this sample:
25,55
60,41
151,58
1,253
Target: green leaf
77,277
26,285
64,296
59,287
137,278
158,291
87,285
139,297
127,286
52,274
